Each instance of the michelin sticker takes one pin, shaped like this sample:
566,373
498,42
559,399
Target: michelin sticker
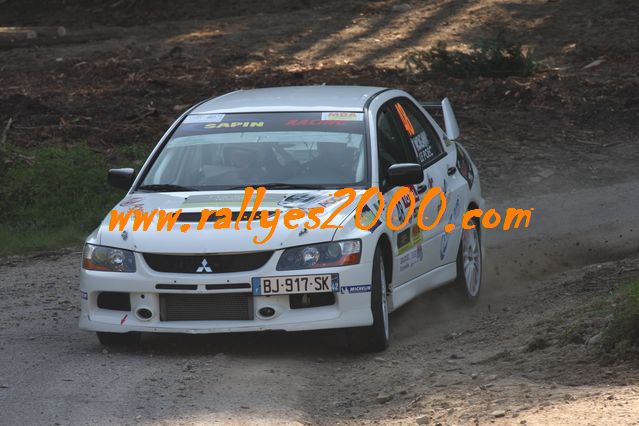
353,289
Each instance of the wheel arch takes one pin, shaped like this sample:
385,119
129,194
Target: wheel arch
473,205
387,252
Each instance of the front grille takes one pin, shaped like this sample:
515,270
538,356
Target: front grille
215,263
206,307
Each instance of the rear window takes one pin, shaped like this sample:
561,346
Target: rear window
218,151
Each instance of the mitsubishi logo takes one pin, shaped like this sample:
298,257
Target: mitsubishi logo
204,267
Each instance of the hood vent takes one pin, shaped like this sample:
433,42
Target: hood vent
194,217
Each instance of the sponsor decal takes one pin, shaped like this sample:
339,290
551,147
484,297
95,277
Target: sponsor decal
84,295
204,118
454,216
353,289
133,203
330,200
312,122
404,205
411,235
445,191
368,215
411,258
417,255
408,238
343,116
303,199
423,147
464,166
234,124
404,262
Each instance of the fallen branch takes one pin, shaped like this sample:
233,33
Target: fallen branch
5,133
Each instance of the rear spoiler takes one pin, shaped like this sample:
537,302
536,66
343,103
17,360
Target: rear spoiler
450,122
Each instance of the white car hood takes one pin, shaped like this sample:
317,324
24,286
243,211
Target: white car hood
210,240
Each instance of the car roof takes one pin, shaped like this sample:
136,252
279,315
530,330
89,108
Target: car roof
295,98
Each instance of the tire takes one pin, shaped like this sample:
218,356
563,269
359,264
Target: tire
374,338
119,339
469,266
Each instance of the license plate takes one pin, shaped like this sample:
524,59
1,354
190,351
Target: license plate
295,284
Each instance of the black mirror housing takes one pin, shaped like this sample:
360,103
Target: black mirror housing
405,174
121,178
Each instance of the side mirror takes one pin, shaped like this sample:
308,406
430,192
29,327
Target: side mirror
121,178
405,174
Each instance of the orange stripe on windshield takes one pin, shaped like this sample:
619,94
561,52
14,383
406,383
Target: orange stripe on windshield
407,124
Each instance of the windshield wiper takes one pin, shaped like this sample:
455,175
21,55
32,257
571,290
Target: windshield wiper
164,187
282,185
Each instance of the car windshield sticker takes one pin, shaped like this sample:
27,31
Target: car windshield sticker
234,124
342,116
204,118
275,122
423,148
298,123
405,121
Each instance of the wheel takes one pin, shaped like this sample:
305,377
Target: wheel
375,337
119,339
469,266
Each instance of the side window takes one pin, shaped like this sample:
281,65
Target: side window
422,136
391,148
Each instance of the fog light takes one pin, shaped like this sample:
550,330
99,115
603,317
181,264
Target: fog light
266,312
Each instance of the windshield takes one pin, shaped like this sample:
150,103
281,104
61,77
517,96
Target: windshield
223,151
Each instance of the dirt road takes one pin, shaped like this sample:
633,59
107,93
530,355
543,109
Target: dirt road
520,355
562,141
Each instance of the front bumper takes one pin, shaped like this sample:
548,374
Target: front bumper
349,310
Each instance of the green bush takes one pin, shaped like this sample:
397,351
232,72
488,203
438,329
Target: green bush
490,58
56,199
621,336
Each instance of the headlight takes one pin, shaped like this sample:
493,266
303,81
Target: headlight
324,255
99,258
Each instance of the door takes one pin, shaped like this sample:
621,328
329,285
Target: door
393,148
439,171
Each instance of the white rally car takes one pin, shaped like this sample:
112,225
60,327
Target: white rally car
301,144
